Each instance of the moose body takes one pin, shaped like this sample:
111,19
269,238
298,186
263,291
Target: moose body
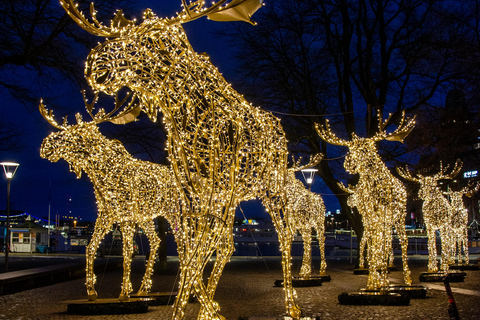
458,230
459,225
379,197
222,149
308,209
128,191
437,214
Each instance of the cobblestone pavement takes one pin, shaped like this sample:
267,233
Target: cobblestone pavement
246,290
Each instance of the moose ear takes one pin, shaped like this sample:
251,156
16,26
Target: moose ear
238,10
129,117
399,136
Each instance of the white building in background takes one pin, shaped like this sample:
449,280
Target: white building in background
28,237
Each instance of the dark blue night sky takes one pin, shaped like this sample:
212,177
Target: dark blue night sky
39,184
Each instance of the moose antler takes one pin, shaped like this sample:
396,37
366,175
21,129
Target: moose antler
235,10
48,115
405,173
442,174
314,160
117,25
469,191
403,130
129,113
326,134
240,10
348,189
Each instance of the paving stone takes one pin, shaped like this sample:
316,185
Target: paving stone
246,291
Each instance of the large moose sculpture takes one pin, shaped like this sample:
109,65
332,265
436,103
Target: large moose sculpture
379,197
128,191
437,212
222,150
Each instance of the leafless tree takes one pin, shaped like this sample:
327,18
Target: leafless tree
41,46
10,137
352,61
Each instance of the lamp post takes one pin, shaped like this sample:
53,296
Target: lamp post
308,175
9,168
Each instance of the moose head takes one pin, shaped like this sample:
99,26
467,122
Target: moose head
78,142
143,56
362,153
429,189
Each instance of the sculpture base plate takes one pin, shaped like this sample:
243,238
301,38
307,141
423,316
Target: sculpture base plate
360,271
298,282
366,271
314,317
460,266
107,306
454,276
158,298
414,292
373,298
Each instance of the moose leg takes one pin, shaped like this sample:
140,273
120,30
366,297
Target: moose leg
432,250
458,249
306,269
224,252
154,241
465,245
456,254
321,245
373,252
191,277
391,256
210,312
128,230
195,249
446,249
221,241
386,250
102,225
290,294
402,236
184,288
285,231
361,255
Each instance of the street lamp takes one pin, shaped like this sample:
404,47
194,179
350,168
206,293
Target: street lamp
308,175
9,168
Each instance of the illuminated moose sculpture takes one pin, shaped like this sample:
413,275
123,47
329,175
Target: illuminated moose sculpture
222,150
309,212
379,197
437,213
458,227
128,191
